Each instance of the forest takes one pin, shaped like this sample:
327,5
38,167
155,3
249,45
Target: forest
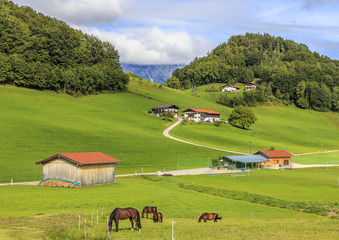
285,71
44,53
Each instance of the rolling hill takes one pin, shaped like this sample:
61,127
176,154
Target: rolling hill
37,124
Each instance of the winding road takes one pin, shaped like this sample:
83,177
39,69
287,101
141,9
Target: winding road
166,133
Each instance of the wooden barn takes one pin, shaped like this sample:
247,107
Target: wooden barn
86,168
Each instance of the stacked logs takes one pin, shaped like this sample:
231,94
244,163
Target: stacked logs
58,183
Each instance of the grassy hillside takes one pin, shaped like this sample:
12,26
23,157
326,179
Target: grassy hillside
31,208
35,125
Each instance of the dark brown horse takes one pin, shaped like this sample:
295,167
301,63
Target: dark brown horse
123,214
209,216
148,210
157,217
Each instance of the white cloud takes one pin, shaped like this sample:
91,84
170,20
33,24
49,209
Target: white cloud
167,30
155,46
80,12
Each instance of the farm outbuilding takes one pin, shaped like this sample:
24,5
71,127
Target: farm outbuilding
243,161
279,158
86,168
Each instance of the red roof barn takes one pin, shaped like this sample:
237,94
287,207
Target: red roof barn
87,168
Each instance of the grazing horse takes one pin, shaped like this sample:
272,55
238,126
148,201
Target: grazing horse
148,210
123,214
209,216
157,217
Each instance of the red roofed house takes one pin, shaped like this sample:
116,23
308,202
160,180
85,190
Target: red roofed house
276,158
160,110
87,168
201,115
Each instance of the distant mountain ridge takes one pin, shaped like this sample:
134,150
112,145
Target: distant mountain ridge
155,73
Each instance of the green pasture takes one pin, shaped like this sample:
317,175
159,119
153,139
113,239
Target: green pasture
283,128
309,184
27,212
38,124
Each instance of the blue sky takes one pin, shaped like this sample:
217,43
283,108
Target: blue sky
173,32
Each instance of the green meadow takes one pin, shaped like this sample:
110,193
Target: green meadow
31,212
38,124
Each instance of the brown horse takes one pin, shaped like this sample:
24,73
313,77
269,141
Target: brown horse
157,217
123,214
148,210
209,216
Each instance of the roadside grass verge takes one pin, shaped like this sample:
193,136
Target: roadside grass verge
324,209
331,158
298,185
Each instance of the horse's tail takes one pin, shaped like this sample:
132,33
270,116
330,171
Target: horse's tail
200,218
138,219
143,211
161,216
111,218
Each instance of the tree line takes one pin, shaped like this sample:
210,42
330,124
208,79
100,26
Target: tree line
41,52
284,70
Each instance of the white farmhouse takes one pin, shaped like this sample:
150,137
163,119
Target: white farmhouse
229,88
201,115
250,86
160,110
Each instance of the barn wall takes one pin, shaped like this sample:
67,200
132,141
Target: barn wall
60,168
97,174
277,161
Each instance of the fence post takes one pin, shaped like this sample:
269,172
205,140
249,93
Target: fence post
79,221
85,227
11,182
173,230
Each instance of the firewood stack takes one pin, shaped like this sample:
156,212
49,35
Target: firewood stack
58,183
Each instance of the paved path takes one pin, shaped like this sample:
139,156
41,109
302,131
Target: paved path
20,183
329,151
166,134
299,165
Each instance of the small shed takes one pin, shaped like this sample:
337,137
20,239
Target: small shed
242,161
86,168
